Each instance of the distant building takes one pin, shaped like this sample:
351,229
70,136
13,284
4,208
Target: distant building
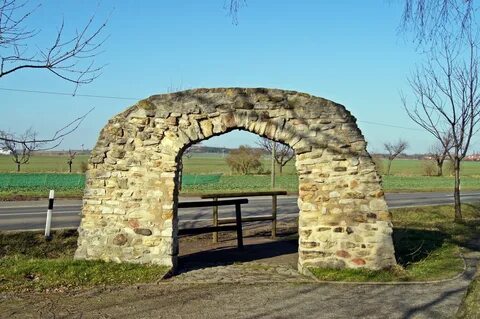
473,157
5,152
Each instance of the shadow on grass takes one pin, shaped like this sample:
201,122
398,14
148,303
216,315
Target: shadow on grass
413,245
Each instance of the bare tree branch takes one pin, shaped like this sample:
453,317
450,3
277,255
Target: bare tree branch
283,152
233,7
56,138
428,19
394,149
71,58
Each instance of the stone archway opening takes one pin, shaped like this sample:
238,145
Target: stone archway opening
200,251
129,202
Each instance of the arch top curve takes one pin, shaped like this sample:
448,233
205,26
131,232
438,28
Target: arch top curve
130,212
300,120
210,100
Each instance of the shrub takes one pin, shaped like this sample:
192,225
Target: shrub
83,166
244,160
429,168
448,168
378,161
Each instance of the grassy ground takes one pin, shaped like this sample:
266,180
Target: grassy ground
470,307
237,183
28,262
290,184
210,164
427,246
43,164
406,176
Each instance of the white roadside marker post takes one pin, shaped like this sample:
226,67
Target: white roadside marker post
48,223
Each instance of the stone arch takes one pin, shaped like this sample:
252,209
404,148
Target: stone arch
129,208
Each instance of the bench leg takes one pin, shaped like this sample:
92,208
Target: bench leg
215,221
274,216
238,218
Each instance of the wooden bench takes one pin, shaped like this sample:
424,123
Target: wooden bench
272,217
216,228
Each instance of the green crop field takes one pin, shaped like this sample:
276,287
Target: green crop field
43,164
204,173
208,164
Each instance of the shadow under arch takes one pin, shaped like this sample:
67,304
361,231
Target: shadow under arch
128,212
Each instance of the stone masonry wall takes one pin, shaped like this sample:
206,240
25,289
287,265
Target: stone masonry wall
130,201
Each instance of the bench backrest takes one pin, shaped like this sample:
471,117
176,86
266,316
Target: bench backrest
243,194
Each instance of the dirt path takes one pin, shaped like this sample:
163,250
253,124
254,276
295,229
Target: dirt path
261,283
240,300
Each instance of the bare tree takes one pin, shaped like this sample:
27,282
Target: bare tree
439,152
71,157
447,99
283,152
394,149
71,58
233,7
244,159
188,153
431,19
20,151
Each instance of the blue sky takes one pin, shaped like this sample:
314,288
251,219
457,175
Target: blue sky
346,51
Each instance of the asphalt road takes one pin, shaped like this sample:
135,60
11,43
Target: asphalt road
31,215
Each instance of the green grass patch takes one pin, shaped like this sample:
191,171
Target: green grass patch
427,183
411,167
43,164
470,306
289,183
427,246
241,183
19,194
28,262
71,186
406,176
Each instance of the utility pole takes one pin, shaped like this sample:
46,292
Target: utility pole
274,149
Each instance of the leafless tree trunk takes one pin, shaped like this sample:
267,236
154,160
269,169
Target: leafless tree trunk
71,157
71,58
447,99
20,151
439,152
394,149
